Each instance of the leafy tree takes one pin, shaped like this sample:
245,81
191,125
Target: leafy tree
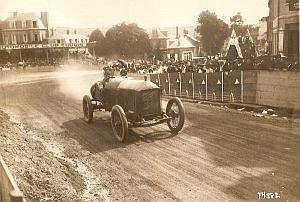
157,54
213,31
237,19
96,35
100,46
128,41
237,23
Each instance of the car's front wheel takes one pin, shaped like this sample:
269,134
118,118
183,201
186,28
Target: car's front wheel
119,123
175,111
87,108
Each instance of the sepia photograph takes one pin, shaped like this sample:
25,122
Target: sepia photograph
149,100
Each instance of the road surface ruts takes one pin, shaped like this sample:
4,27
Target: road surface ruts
221,154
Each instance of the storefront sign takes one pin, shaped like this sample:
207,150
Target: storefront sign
36,46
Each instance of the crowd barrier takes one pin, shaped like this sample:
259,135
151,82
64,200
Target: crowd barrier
9,191
218,86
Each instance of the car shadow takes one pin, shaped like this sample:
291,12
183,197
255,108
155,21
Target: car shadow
98,136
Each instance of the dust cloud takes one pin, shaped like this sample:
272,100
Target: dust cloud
75,82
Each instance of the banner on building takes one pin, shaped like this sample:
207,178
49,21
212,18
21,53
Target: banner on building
48,45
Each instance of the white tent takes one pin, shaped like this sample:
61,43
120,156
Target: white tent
233,41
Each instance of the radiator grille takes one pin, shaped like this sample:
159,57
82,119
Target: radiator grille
151,102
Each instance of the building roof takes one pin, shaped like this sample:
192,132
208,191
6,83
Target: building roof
157,34
68,36
24,17
181,42
192,38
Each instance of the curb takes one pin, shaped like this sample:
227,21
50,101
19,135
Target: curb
9,190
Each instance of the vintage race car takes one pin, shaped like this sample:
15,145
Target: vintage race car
132,103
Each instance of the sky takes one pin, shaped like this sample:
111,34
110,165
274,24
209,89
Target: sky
146,13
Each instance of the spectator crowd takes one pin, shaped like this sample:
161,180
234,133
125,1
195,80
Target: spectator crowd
209,65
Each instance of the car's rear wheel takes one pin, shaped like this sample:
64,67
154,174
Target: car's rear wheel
87,109
119,123
175,111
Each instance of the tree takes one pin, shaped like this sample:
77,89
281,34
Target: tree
213,31
237,19
157,54
128,41
98,37
237,23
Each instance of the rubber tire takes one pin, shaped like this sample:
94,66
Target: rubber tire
87,101
119,110
181,114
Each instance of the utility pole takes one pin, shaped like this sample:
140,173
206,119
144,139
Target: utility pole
278,11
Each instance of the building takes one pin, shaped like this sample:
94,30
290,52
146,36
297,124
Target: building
68,38
263,29
283,27
78,40
28,36
262,37
23,28
182,47
159,39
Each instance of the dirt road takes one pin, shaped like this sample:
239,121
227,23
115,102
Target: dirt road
221,154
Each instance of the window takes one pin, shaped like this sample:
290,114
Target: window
34,23
58,41
187,55
36,37
81,40
25,38
70,40
13,25
28,24
6,39
13,39
293,5
76,41
24,24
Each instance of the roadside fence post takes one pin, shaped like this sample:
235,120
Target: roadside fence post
158,80
206,95
193,85
169,84
179,84
222,86
242,86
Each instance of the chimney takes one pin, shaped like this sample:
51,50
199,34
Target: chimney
177,32
154,33
68,31
45,19
15,14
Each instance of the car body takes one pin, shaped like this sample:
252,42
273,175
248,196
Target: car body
132,103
